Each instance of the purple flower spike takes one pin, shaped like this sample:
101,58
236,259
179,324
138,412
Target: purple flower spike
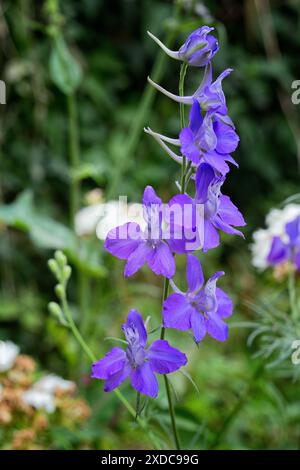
218,212
202,308
153,246
198,49
210,139
138,363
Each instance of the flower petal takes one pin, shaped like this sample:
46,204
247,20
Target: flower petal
216,327
221,225
194,274
292,229
122,241
229,213
164,358
135,322
161,261
195,117
227,138
111,363
217,161
114,380
211,236
176,312
198,326
225,305
204,176
188,147
279,252
137,258
144,381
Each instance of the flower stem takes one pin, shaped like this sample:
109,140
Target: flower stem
172,413
167,385
183,70
292,293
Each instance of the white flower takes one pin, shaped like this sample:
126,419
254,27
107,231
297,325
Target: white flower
39,400
261,248
42,394
277,219
8,354
101,218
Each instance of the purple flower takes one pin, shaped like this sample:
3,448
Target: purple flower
218,212
210,139
202,308
282,251
198,49
210,94
139,246
138,363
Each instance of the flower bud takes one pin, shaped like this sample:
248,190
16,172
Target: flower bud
59,291
198,49
60,258
52,266
55,309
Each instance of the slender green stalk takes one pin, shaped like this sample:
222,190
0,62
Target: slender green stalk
183,70
172,413
165,295
292,293
167,385
92,358
74,157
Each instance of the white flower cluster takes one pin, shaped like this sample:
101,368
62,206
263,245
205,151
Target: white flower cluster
42,394
276,221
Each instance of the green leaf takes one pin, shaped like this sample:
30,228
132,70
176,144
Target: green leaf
64,69
44,231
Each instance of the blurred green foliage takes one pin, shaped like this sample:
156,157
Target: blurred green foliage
98,53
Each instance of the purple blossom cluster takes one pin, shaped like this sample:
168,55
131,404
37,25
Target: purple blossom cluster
287,247
185,224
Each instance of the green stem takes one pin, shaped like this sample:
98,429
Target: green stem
292,293
183,70
74,157
92,358
167,385
165,295
172,413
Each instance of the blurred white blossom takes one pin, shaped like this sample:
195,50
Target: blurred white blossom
100,218
8,354
276,221
42,394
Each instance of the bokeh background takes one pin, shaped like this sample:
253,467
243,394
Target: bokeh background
77,102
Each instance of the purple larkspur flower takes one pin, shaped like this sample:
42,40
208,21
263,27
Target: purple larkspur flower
219,213
289,249
202,308
210,94
138,363
198,49
209,139
153,246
